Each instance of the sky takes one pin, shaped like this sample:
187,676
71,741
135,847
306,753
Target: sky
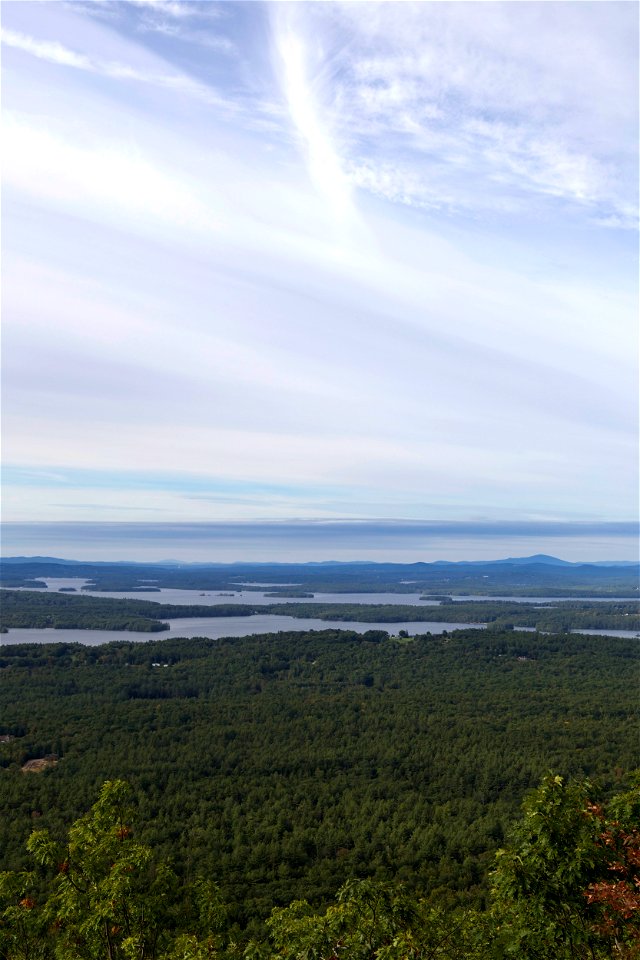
320,262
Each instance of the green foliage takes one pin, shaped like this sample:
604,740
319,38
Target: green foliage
566,616
376,921
62,611
110,897
542,881
285,764
24,608
23,931
106,896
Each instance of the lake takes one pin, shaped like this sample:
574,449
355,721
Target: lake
219,627
213,597
258,623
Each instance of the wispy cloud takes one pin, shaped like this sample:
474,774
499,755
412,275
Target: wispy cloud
210,41
52,51
180,9
419,97
295,63
57,53
185,22
113,178
181,288
543,164
301,541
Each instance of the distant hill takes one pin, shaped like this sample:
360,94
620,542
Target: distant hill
536,576
536,559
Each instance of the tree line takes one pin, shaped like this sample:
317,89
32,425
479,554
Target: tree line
22,608
493,579
286,764
565,886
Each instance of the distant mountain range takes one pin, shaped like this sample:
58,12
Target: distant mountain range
539,558
535,560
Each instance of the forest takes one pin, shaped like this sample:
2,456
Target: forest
318,794
568,615
25,608
534,576
284,766
565,885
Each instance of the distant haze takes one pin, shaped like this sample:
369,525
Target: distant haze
303,541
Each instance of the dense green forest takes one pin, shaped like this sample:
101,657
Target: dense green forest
568,615
535,577
23,608
284,765
565,886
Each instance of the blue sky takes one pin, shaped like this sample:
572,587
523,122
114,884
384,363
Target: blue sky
320,260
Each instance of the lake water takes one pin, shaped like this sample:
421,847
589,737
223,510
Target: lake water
220,627
247,626
259,623
213,597
210,598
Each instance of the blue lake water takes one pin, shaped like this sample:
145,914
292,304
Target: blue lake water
213,597
215,627
258,623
